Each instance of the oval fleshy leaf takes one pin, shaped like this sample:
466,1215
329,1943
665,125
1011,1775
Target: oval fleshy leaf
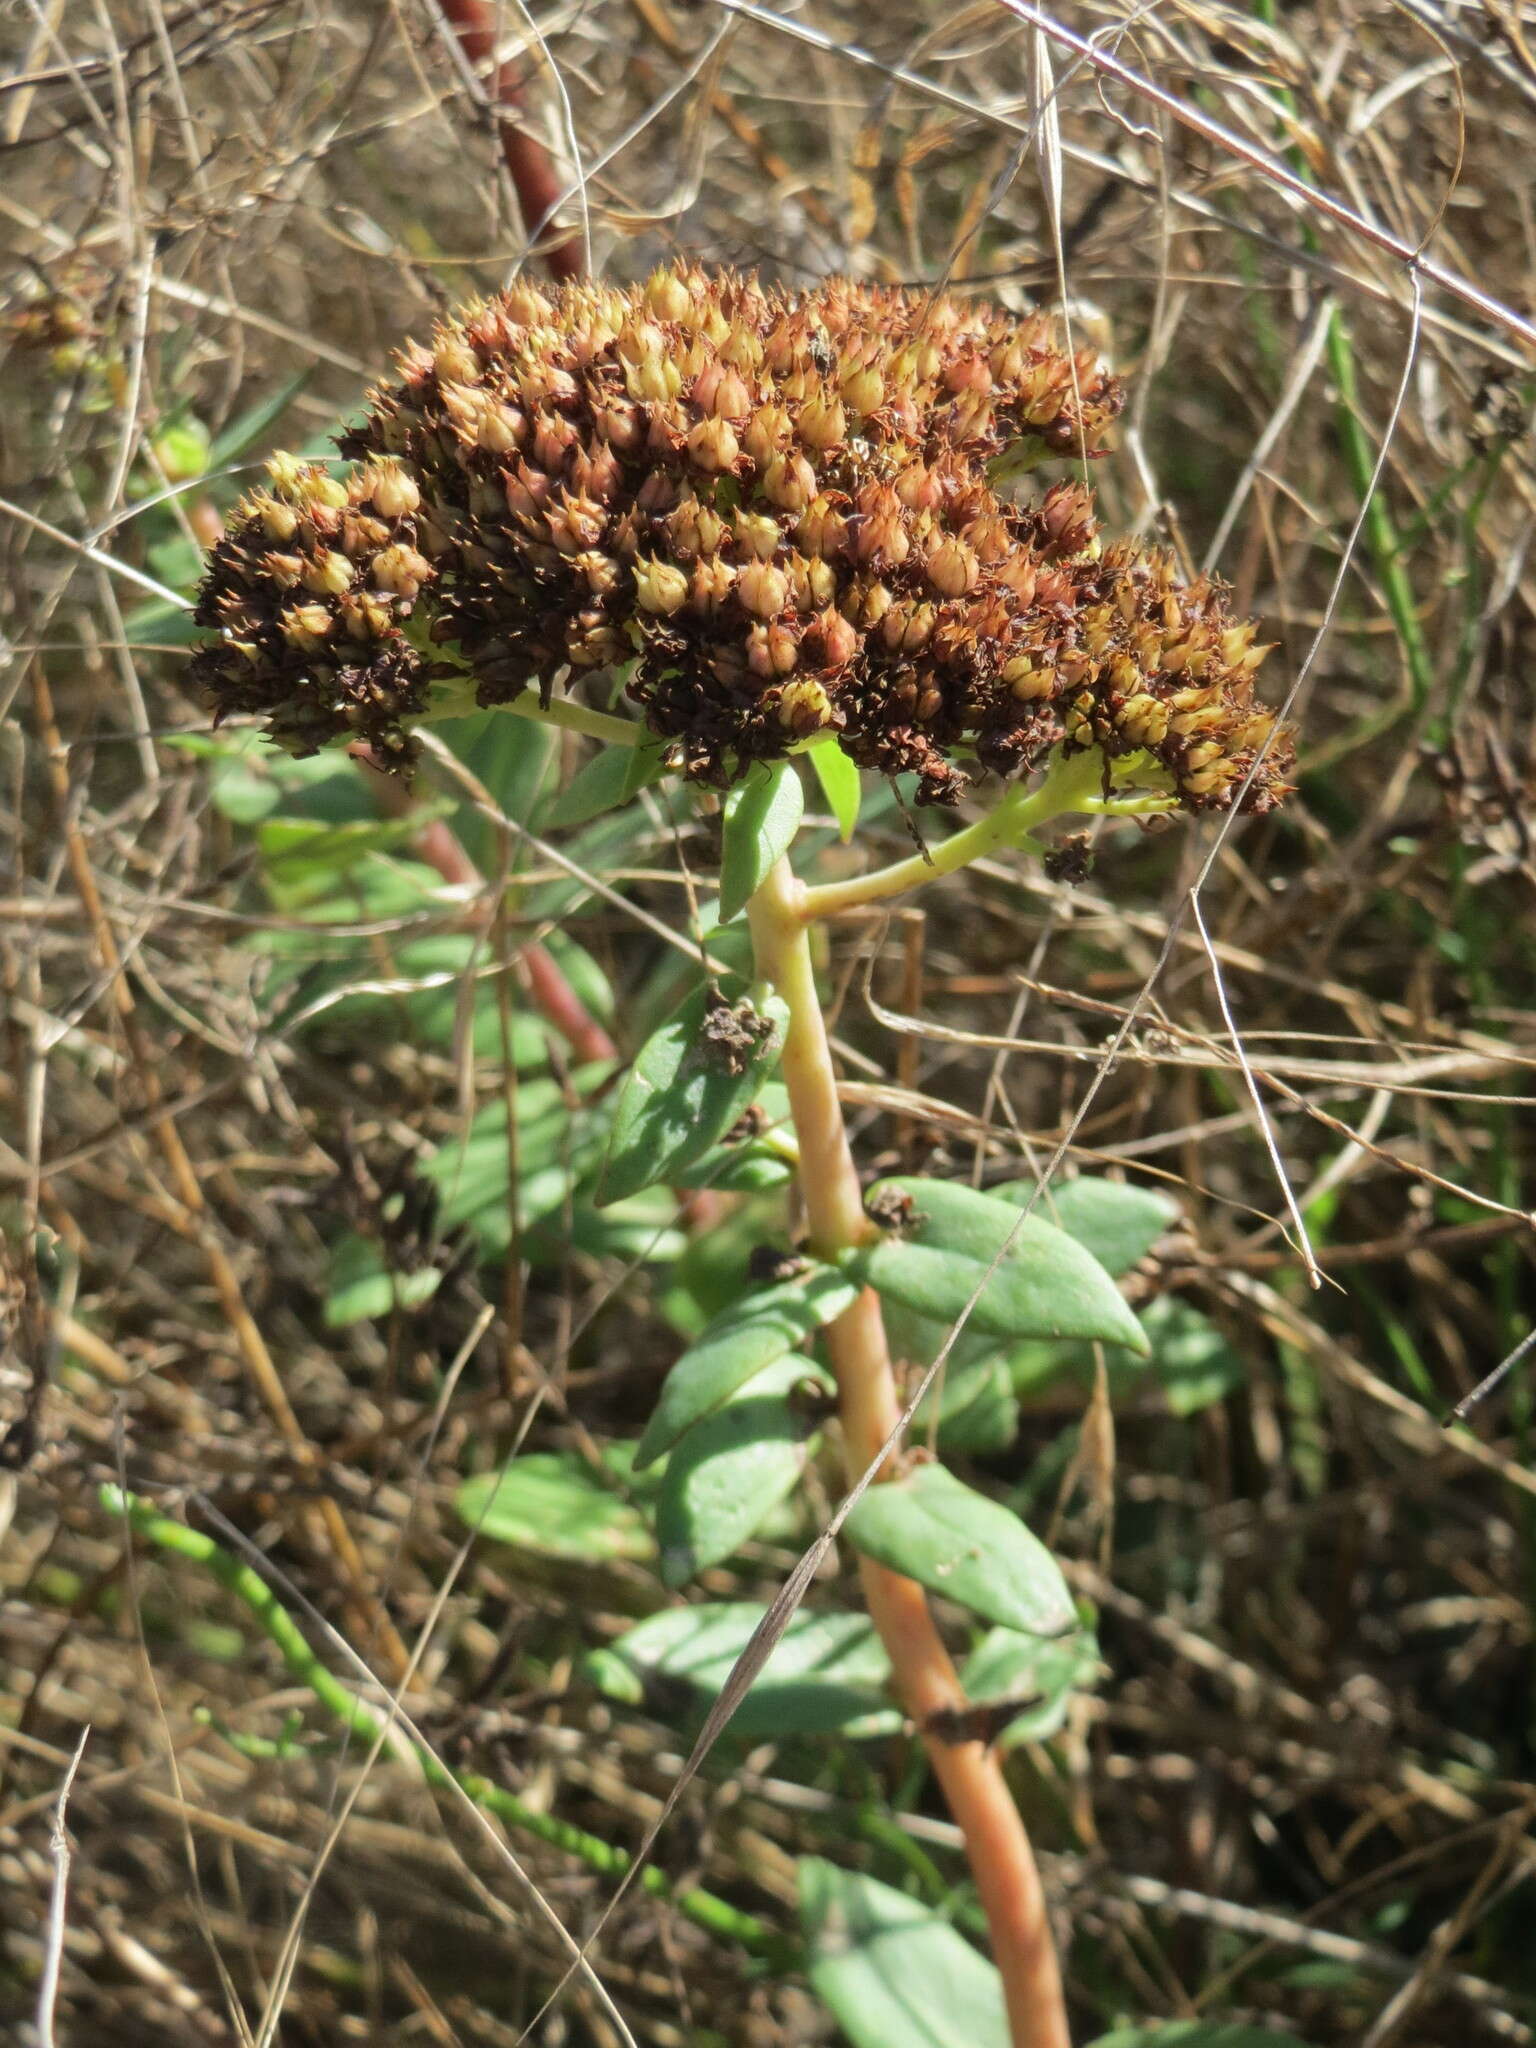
1044,1285
892,1972
1117,1223
931,1527
762,816
732,1469
749,1169
598,785
363,1285
690,1082
644,763
827,1671
551,1502
752,1333
840,785
1041,1673
1197,2034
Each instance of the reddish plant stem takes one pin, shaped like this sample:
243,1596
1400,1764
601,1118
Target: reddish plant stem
869,1408
538,189
551,994
533,175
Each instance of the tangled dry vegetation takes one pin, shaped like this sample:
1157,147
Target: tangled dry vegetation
1303,1792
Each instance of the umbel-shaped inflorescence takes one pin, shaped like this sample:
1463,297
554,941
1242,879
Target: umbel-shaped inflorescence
774,513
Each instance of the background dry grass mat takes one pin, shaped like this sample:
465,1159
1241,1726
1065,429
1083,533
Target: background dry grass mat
255,1026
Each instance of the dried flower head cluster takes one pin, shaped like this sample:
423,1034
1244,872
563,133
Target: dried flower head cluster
309,590
775,513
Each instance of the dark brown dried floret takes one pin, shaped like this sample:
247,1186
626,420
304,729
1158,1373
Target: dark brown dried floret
773,513
308,592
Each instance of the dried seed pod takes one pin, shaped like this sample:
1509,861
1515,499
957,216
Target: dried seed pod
777,508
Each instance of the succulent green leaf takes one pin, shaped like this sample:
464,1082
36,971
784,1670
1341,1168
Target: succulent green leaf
750,1334
762,816
732,1469
840,785
978,1411
684,1092
551,1502
748,1169
473,1174
892,1972
933,1528
1118,1224
826,1672
597,786
510,759
363,1286
252,426
1040,1672
1197,2034
1191,1359
1044,1285
644,764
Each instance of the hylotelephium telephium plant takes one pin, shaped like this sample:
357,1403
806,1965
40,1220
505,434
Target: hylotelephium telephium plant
782,520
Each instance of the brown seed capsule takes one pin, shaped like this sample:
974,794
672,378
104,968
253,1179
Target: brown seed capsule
667,296
813,583
763,589
306,626
722,392
278,522
712,446
655,378
789,482
771,651
766,432
575,524
862,391
621,426
874,601
953,568
600,572
879,536
1143,721
920,488
711,584
553,439
757,535
1026,683
805,707
821,529
402,570
823,422
328,574
833,639
660,586
694,528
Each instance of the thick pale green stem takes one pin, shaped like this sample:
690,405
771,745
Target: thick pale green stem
869,1408
458,701
1073,784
